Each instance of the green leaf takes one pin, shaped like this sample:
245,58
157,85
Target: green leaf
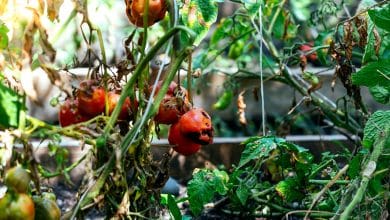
198,15
173,208
373,74
258,147
204,185
289,190
369,50
380,94
381,17
10,107
252,6
378,122
3,36
355,165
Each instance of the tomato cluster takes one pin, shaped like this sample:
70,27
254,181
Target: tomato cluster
190,127
90,101
16,204
135,11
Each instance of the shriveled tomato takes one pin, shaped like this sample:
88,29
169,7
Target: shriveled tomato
306,48
174,104
46,208
69,113
183,145
91,98
196,125
16,206
127,108
18,179
135,11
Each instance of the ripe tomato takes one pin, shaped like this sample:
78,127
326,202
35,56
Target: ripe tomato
18,179
135,11
46,208
69,113
127,108
16,207
196,125
174,104
183,145
305,48
91,98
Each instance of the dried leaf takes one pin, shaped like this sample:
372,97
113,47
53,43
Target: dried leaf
241,108
53,6
361,25
57,79
348,39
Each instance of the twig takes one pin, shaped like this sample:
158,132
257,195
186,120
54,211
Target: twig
323,190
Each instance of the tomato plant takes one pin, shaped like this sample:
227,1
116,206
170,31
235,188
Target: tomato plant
18,179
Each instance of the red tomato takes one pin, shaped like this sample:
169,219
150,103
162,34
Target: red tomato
127,108
69,113
196,125
183,145
91,98
305,48
17,207
135,11
174,104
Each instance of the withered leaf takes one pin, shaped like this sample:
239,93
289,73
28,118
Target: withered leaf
53,6
348,39
57,79
241,108
361,25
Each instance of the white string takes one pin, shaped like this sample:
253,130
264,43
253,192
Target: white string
260,32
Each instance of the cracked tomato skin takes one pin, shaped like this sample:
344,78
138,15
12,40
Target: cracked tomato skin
127,107
183,145
174,104
196,125
91,98
135,11
69,113
16,206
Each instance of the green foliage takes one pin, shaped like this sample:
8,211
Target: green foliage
376,76
224,100
169,200
381,17
204,185
289,190
377,123
11,106
3,36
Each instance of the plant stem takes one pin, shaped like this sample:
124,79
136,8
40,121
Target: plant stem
369,169
327,181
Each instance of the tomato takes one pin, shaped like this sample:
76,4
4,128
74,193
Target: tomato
306,48
224,100
69,113
46,208
16,207
196,125
91,98
135,11
183,145
18,179
174,104
127,108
